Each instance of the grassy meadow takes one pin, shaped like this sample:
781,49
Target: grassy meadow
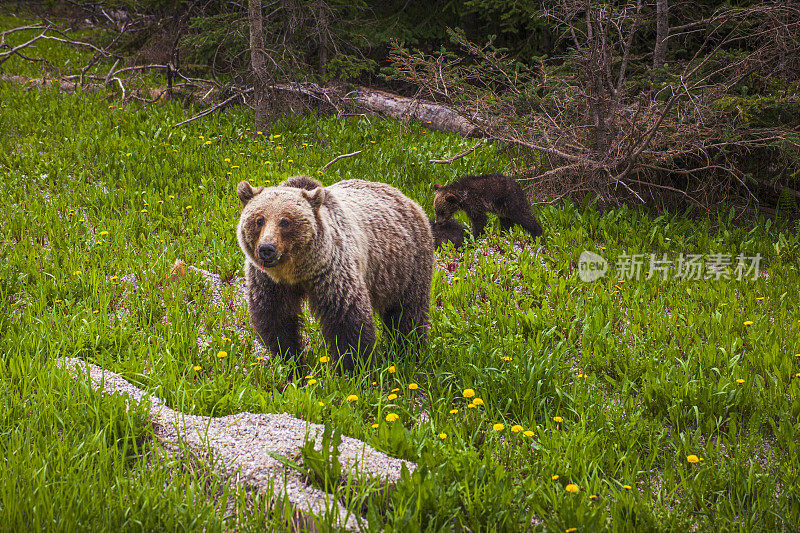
642,405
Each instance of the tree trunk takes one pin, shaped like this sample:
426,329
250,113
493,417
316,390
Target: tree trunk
323,40
261,81
662,34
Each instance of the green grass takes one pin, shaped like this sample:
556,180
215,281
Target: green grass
642,374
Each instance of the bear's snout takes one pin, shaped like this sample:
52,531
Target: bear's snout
268,253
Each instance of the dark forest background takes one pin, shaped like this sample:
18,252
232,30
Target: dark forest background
659,102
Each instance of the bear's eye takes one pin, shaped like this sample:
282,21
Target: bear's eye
284,223
260,222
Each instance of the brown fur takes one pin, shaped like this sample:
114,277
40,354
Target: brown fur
477,195
349,249
450,230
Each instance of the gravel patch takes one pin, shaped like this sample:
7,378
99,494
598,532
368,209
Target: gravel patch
240,446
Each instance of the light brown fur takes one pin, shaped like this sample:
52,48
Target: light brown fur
350,248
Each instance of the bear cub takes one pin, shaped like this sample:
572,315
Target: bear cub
450,230
477,195
347,249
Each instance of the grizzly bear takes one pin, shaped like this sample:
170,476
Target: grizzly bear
348,249
450,230
495,193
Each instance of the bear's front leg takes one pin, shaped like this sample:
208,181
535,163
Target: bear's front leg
274,313
346,322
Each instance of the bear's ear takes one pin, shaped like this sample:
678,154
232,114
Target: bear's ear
315,197
436,186
452,198
246,192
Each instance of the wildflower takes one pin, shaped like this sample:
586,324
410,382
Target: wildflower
468,393
506,358
797,375
626,487
392,369
555,477
759,298
253,363
77,273
188,207
516,428
234,166
442,436
453,411
171,197
456,278
267,163
144,210
395,390
413,386
740,381
373,142
352,398
227,159
95,311
208,142
222,355
259,133
593,496
557,419
499,427
392,397
573,488
321,404
114,279
102,233
309,376
312,381
276,135
160,202
374,383
571,530
324,359
692,459
259,358
472,406
197,368
748,322
58,301
201,137
391,417
128,154
290,161
529,433
374,426
477,401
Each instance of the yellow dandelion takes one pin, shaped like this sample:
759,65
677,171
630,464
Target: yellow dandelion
114,279
277,135
201,137
58,301
472,406
267,163
77,273
573,488
197,368
309,376
571,530
234,166
506,358
208,142
498,427
222,355
627,487
290,161
321,404
442,436
748,322
373,142
554,477
468,393
516,428
453,411
374,426
143,211
740,381
171,197
95,311
759,298
413,386
352,398
529,433
259,133
324,359
392,397
557,419
259,358
392,369
692,459
103,233
478,402
797,375
253,364
391,417
188,207
395,390
227,159
128,154
593,496
312,381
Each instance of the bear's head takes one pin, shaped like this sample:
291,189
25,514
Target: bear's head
445,202
278,227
